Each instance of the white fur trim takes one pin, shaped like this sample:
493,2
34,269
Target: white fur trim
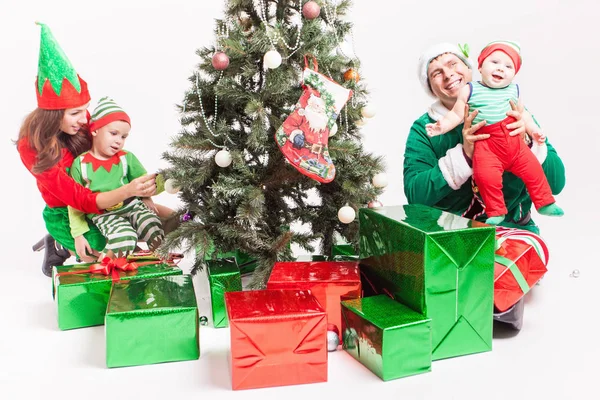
432,53
540,151
455,168
437,111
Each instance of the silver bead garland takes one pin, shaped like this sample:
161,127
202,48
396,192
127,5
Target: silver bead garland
263,14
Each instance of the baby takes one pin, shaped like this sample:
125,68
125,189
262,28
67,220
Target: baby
499,62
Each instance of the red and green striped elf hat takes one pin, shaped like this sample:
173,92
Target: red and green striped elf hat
58,86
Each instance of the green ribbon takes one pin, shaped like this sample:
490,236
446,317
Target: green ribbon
515,271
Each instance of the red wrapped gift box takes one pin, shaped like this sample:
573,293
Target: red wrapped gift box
278,337
518,266
330,282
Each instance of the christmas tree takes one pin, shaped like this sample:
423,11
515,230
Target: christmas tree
243,188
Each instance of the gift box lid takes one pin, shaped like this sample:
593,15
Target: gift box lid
320,271
426,219
384,312
166,292
146,271
226,266
269,303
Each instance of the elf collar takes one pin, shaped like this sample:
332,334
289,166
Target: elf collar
107,164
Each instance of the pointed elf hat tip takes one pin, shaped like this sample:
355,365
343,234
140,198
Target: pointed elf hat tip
57,86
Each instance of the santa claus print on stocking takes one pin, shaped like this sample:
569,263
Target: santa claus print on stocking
304,135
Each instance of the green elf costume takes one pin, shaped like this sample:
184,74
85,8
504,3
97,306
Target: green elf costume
126,223
437,172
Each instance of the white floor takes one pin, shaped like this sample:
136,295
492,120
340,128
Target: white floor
553,356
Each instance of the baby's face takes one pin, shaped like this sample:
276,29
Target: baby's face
497,70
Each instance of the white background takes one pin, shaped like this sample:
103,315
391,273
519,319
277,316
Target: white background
142,53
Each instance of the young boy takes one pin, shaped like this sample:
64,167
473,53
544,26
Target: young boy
499,62
106,167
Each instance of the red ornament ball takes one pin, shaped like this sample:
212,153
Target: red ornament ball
375,204
311,10
220,61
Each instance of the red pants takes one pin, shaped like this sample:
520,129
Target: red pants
502,152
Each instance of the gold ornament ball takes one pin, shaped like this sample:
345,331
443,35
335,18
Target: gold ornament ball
351,75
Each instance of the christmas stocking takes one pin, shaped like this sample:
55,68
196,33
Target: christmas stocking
304,135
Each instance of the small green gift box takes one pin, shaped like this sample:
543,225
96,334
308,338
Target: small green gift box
81,296
388,338
438,264
223,276
151,321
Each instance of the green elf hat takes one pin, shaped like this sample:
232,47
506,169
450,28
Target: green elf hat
107,111
57,85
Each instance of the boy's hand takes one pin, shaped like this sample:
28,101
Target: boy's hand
83,249
150,204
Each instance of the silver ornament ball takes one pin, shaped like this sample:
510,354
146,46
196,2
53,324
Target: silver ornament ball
333,341
575,273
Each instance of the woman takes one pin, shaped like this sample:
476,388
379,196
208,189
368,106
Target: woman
50,138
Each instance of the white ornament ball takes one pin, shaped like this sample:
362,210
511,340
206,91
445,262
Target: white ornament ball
380,180
368,111
223,158
333,341
333,130
171,186
346,214
272,59
360,122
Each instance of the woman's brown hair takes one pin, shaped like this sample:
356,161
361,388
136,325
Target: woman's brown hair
42,129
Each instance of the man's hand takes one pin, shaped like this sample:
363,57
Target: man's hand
517,127
469,136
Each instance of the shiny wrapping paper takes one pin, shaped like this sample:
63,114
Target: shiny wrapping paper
387,337
81,299
438,264
223,276
343,252
151,321
278,337
330,282
518,268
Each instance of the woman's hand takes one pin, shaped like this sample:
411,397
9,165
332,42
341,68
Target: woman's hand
469,136
144,186
83,249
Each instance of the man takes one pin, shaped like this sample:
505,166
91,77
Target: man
437,170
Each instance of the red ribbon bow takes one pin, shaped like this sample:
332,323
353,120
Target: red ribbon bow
110,266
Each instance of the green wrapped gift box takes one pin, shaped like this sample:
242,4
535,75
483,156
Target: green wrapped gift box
387,337
151,321
438,264
223,276
81,298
